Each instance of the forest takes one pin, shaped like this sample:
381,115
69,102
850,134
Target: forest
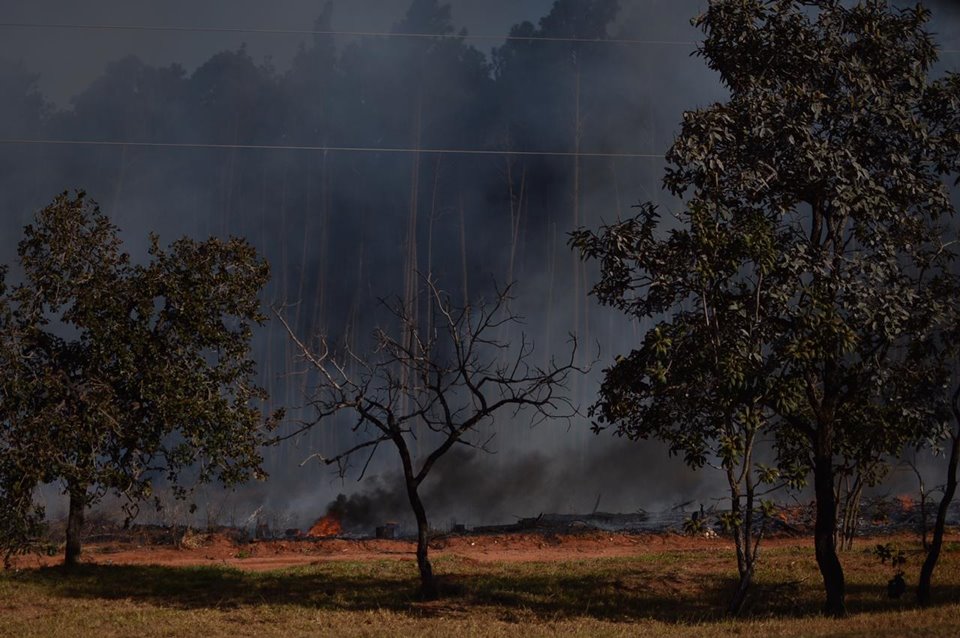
492,192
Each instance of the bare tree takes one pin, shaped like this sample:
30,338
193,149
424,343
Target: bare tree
448,382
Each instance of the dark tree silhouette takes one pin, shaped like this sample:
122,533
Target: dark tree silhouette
806,254
431,389
119,374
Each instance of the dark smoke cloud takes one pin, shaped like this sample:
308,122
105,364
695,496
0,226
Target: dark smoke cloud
474,488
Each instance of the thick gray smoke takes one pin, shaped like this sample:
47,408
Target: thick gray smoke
471,488
344,228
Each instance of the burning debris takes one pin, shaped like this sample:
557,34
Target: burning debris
332,522
354,517
326,527
572,522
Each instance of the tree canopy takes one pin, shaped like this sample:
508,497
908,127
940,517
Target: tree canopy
117,374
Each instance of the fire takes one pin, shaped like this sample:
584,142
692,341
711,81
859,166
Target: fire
792,514
905,502
331,524
325,527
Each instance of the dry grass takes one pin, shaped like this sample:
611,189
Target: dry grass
656,593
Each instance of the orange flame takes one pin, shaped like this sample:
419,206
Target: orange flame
905,502
791,514
326,527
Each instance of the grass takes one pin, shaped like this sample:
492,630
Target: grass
659,593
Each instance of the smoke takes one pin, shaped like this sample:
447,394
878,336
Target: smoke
90,51
343,229
474,488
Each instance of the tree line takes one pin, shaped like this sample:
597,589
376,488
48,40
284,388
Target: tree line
338,226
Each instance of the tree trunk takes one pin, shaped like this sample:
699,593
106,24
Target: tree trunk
746,540
741,541
849,513
824,528
740,596
78,506
926,572
428,585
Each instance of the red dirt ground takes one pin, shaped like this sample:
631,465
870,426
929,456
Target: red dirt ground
218,549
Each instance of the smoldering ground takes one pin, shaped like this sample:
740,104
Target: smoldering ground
473,488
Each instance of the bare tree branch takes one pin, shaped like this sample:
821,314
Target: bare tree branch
445,381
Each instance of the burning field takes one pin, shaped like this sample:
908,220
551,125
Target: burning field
546,538
632,574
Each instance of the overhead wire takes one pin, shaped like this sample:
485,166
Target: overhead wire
314,32
326,32
332,149
358,34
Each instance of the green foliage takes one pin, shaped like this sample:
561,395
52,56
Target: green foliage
21,520
116,374
896,558
887,553
695,526
797,288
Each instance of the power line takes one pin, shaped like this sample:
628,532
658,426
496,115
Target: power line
377,34
331,149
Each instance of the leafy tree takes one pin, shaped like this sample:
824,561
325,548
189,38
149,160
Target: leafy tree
431,389
121,374
697,381
944,104
547,88
146,103
852,477
309,86
22,104
434,86
553,94
20,518
234,100
813,198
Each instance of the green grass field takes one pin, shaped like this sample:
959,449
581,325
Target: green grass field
660,593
